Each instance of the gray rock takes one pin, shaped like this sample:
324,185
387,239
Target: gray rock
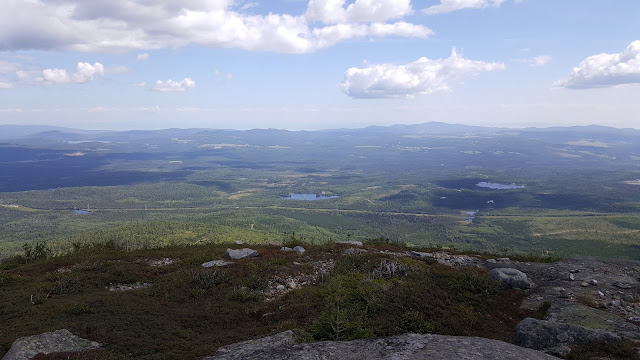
545,335
353,243
238,242
504,260
573,324
26,348
286,249
421,255
241,254
492,261
403,347
238,350
299,249
216,263
511,278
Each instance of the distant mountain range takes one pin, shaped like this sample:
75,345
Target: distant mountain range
9,132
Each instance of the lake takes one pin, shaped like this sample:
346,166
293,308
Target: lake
499,186
309,197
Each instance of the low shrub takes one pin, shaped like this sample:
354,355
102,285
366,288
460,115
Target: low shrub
38,252
78,310
245,295
207,279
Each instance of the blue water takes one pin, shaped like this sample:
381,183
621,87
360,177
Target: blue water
309,197
499,186
470,216
81,212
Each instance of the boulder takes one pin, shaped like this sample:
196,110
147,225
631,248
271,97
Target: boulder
299,250
28,347
403,347
216,263
241,254
511,278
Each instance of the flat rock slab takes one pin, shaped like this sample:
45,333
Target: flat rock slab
216,263
557,337
28,347
241,254
593,319
402,347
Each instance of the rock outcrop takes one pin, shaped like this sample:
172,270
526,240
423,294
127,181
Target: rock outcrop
403,347
590,300
28,347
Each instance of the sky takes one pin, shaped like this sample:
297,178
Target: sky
319,64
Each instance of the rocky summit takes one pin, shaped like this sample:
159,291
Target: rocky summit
403,347
375,298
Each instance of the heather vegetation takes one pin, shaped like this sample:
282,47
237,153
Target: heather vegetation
186,311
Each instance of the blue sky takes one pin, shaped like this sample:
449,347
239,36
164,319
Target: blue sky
314,64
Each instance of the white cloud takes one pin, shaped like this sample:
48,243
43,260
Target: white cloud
447,6
335,12
140,84
537,61
249,5
606,70
85,73
6,85
143,57
174,86
541,60
125,25
421,77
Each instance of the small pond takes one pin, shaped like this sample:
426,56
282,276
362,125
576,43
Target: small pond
308,197
499,186
470,216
